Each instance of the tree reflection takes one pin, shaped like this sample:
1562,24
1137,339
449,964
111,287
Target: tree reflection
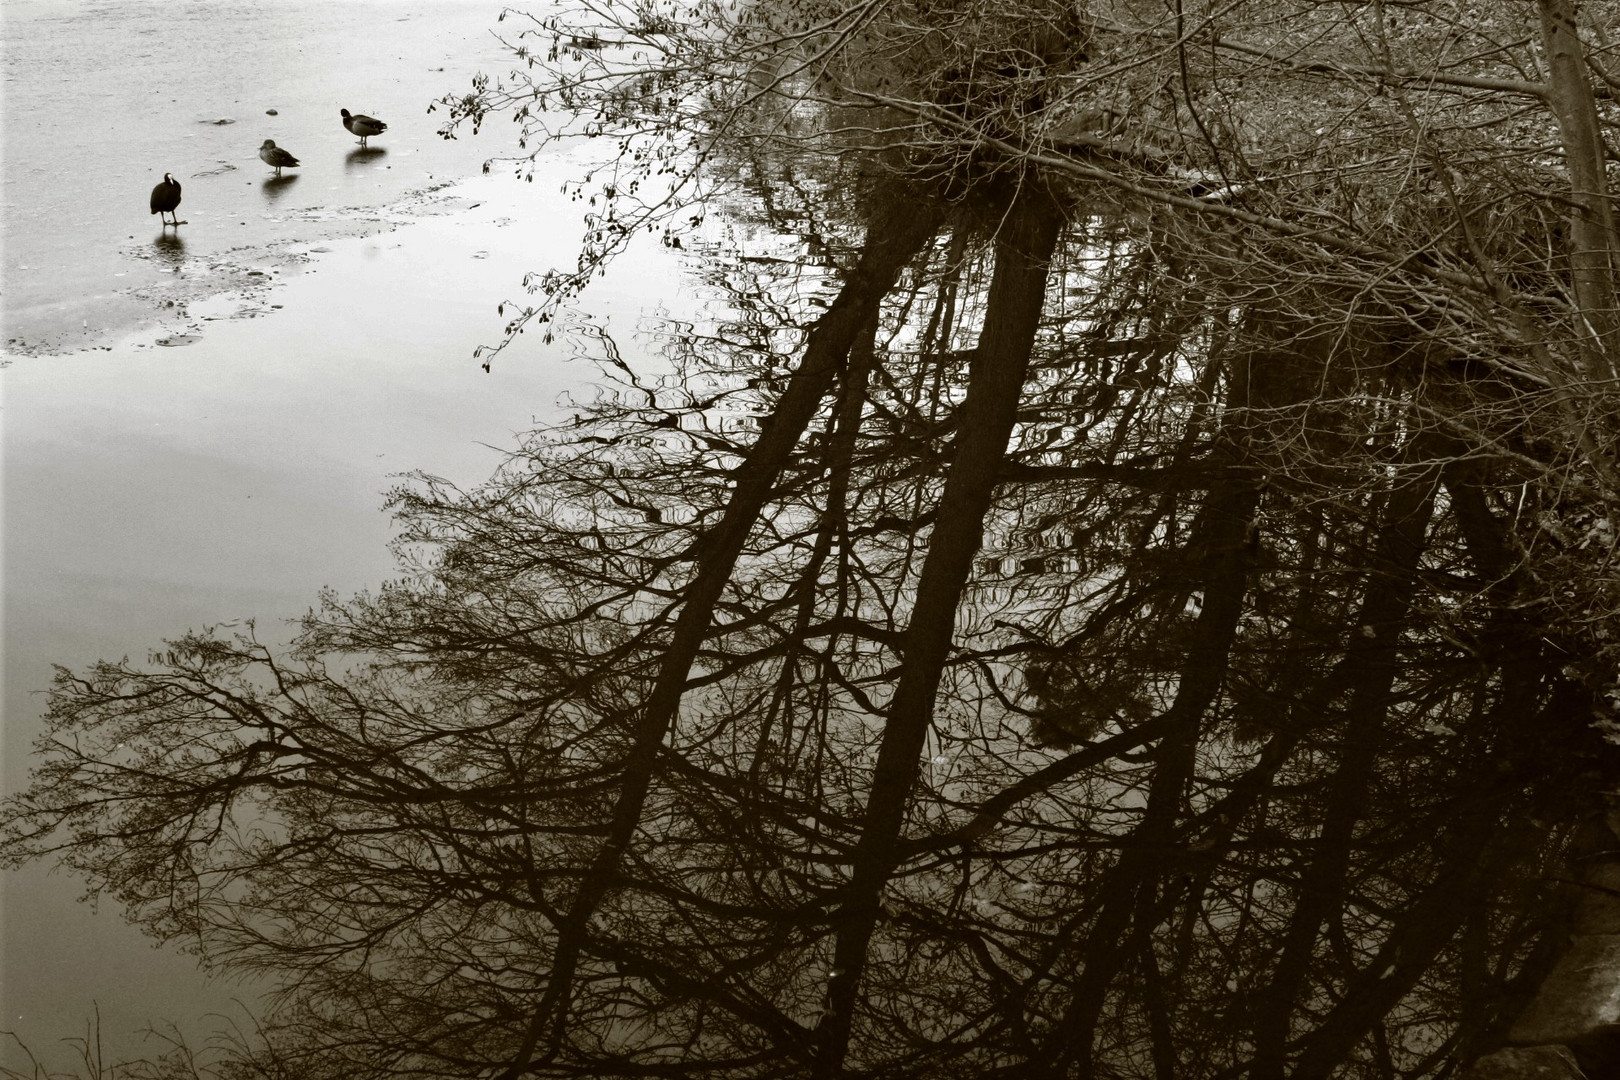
1093,640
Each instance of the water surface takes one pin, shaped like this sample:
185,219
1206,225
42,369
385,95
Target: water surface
221,459
187,88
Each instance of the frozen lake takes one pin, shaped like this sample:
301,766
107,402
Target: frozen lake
200,429
186,88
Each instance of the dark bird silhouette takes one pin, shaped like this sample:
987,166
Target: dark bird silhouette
363,126
165,197
275,156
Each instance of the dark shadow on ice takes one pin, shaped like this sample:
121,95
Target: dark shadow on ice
169,248
360,155
276,186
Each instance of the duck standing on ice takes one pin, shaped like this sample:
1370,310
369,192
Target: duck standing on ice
165,198
273,155
363,126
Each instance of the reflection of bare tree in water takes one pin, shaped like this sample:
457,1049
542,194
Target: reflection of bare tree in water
684,748
1102,642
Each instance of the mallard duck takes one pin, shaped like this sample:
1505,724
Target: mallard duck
363,126
273,155
165,198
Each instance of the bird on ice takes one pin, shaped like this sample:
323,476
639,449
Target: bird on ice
165,198
275,156
363,126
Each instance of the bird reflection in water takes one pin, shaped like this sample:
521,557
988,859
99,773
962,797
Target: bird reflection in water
169,249
276,186
360,155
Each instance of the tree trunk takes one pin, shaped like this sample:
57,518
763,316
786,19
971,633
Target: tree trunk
1129,889
1591,224
892,241
1373,660
995,386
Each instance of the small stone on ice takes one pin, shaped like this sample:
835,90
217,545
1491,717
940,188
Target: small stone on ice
271,112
